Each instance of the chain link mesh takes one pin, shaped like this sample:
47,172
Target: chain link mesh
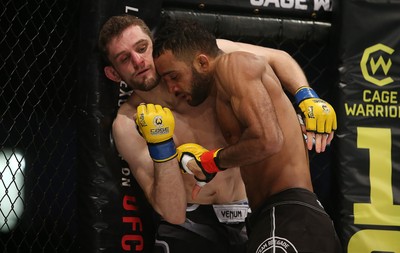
38,66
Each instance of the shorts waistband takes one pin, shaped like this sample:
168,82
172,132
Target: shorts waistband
292,196
191,207
231,213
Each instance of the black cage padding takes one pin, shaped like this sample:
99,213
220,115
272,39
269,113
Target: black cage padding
249,27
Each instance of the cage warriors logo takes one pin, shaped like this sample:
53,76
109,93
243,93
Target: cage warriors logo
380,52
375,67
160,129
314,5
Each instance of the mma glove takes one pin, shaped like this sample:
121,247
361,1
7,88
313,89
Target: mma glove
319,115
156,124
206,160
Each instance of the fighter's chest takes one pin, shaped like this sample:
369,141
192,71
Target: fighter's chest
230,126
201,128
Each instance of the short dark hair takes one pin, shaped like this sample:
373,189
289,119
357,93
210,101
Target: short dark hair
184,37
114,26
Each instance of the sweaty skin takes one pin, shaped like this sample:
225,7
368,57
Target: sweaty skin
286,167
160,182
263,133
130,56
288,76
199,126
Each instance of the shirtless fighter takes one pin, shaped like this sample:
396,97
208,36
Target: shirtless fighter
126,44
262,133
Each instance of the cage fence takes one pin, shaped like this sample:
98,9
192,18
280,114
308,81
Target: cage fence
38,116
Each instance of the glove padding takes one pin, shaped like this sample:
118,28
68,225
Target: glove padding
193,158
156,124
319,115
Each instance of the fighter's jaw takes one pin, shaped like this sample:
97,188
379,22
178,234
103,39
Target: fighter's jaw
181,95
146,78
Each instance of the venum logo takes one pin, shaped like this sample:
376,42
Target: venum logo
373,60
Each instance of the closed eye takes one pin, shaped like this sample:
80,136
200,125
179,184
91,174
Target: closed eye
173,76
123,58
142,49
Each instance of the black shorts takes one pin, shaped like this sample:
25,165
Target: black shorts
202,232
292,221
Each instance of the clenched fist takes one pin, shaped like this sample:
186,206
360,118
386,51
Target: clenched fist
156,124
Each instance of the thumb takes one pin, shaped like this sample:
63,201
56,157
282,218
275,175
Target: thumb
196,189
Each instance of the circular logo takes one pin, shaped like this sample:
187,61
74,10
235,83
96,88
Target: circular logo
276,244
157,121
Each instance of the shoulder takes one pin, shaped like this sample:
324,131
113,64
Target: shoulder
227,46
242,64
242,58
125,118
128,108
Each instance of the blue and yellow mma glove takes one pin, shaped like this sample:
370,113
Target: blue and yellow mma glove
319,115
156,124
206,160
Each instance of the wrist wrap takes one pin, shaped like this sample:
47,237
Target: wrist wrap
304,93
163,151
209,161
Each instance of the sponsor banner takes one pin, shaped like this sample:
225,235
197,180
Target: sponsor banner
368,139
315,9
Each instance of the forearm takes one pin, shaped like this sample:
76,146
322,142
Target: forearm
250,150
204,164
156,124
162,184
168,192
288,71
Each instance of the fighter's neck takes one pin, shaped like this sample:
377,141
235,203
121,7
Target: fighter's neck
159,95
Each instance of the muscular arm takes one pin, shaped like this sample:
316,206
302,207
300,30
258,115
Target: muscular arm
285,67
290,75
161,182
242,80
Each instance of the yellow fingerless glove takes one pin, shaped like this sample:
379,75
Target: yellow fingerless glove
319,115
156,124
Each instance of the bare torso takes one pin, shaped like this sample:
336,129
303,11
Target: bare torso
201,127
289,168
197,125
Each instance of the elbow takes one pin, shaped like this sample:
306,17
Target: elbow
174,214
281,54
272,144
286,54
177,221
277,142
175,218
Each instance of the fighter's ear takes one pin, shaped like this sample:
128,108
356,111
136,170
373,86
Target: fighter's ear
112,74
202,63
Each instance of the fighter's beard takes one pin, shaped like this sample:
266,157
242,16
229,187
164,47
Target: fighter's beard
148,84
201,84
